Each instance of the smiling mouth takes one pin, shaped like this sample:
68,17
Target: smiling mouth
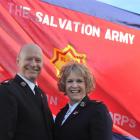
32,69
75,91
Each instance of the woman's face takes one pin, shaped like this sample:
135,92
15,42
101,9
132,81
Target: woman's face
75,87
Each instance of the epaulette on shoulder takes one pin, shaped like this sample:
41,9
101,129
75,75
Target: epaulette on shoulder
97,101
5,82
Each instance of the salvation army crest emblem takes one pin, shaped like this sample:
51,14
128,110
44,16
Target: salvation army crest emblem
62,56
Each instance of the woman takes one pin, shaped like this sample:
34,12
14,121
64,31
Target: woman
81,118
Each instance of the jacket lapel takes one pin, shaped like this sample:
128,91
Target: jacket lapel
82,105
47,113
61,115
23,85
25,91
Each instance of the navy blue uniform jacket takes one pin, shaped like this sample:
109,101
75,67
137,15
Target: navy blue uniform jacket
89,121
22,117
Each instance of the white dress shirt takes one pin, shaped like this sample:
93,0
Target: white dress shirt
30,84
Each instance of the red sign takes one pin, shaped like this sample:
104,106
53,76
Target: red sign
110,50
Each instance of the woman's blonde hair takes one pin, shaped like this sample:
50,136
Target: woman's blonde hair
76,67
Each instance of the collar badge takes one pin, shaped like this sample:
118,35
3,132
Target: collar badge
82,104
23,84
75,112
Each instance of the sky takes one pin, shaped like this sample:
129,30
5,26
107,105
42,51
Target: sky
130,5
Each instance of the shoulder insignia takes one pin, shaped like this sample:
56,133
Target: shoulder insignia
4,82
97,101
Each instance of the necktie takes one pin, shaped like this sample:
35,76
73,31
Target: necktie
38,95
36,89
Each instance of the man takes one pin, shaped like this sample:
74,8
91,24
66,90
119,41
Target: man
24,112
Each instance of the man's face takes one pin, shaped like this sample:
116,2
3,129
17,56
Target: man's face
30,62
